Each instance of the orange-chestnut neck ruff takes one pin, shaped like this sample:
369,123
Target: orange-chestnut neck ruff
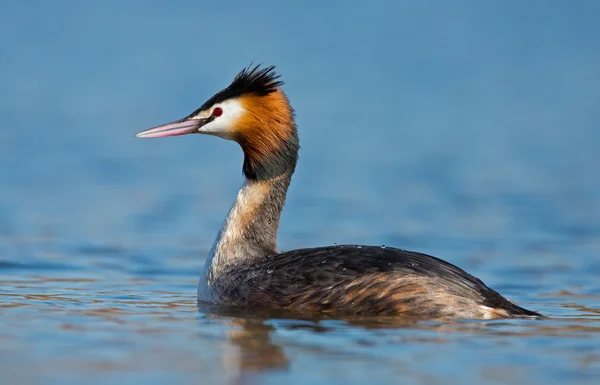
268,136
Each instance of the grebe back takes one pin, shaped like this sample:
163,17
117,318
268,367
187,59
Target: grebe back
244,267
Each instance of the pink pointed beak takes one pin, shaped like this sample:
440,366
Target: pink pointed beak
178,127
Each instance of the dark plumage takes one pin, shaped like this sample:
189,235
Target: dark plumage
364,280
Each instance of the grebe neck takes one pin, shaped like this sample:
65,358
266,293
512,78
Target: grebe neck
250,229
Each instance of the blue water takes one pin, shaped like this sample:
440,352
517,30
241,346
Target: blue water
466,130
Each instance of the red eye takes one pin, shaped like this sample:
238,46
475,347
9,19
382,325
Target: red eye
217,111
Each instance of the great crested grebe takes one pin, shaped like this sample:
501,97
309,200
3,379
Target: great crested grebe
244,267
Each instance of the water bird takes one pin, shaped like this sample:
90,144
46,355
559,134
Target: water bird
244,267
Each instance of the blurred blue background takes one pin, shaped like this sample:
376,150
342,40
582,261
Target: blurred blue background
484,96
465,129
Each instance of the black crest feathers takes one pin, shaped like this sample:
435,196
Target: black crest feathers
251,80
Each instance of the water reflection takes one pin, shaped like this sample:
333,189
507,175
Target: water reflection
255,343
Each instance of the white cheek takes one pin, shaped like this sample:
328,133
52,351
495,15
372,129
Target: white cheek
224,125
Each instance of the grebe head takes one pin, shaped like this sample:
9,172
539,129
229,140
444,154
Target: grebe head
253,111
